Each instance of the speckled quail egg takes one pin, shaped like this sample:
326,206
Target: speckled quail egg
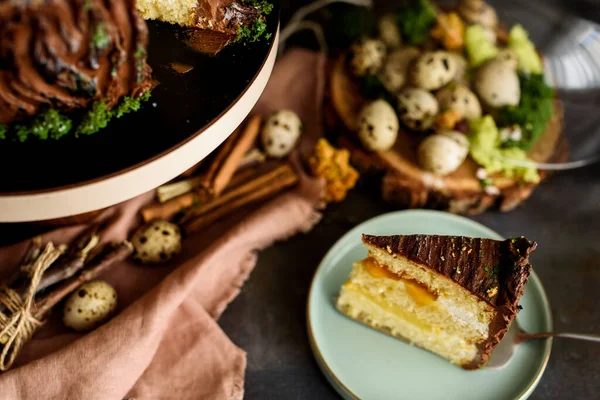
89,306
441,154
432,70
459,137
378,126
417,108
509,57
280,133
389,33
461,99
156,242
366,57
497,84
395,71
478,12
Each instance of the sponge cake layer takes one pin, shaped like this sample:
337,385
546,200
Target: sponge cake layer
409,310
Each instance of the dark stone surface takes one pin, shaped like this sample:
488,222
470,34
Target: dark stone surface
268,319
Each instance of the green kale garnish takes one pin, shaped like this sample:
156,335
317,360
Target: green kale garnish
415,19
262,5
100,40
52,124
99,116
47,124
95,119
127,105
130,104
533,112
21,132
254,32
146,96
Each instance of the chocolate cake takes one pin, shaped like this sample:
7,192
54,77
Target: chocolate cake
455,296
68,54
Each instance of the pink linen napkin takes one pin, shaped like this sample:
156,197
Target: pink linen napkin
164,342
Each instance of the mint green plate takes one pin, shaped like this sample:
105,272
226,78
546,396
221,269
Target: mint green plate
362,363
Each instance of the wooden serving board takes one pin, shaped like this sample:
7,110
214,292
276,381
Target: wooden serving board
405,184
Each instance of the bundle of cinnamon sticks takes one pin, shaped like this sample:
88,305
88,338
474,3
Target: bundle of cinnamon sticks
64,269
83,262
236,176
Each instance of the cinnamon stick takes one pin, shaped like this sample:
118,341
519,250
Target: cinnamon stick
256,181
112,254
176,189
259,188
81,250
229,156
172,207
33,251
178,204
69,266
215,179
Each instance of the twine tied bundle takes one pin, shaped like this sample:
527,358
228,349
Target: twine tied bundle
17,317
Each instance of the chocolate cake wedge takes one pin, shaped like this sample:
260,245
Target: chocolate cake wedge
454,296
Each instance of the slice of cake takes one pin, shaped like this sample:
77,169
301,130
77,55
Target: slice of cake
454,296
224,16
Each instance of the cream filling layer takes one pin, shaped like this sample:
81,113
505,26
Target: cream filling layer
435,309
363,307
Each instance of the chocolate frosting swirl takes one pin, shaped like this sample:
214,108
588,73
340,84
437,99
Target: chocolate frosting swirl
66,54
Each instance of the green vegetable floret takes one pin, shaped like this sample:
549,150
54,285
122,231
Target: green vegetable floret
415,19
529,60
479,46
486,150
535,109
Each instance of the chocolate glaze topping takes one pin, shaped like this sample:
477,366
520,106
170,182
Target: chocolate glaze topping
495,271
225,16
66,54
